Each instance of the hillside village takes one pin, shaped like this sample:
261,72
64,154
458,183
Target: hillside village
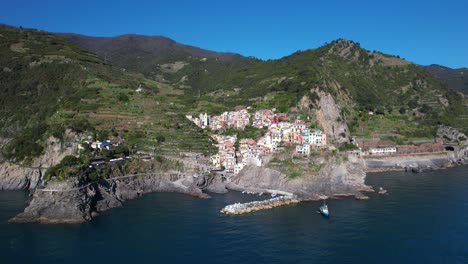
233,153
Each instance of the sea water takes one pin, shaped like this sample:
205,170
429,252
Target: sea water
424,219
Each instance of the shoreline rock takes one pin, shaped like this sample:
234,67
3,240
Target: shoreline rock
56,204
19,177
335,180
15,177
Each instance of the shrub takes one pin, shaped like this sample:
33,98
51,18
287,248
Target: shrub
295,174
123,97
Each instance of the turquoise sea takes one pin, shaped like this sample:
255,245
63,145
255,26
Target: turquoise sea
423,220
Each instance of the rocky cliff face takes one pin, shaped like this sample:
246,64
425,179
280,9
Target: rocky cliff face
16,176
345,178
66,202
452,134
331,120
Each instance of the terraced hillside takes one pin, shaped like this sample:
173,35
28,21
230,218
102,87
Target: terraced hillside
49,84
408,101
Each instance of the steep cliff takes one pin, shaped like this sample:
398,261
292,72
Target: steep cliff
331,120
18,176
74,202
336,178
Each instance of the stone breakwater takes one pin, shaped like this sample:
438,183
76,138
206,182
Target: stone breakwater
246,208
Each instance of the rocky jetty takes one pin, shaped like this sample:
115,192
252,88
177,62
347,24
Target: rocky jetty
74,202
246,208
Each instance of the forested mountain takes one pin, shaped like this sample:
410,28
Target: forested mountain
454,78
145,54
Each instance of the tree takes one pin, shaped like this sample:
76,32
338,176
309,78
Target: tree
86,146
123,97
121,150
236,145
160,138
61,172
69,161
102,135
402,110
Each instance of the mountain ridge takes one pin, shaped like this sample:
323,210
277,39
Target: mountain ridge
453,78
146,54
360,80
155,45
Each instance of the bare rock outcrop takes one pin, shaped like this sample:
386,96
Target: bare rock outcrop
452,134
17,176
345,178
331,120
76,202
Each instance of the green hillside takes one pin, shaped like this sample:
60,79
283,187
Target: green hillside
361,80
49,84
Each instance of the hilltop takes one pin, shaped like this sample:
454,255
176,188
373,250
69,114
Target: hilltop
150,55
453,78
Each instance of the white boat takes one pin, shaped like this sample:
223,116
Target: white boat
324,210
273,195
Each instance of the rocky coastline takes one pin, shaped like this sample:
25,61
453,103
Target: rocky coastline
18,177
77,202
71,202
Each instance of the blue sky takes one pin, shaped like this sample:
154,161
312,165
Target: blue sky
424,32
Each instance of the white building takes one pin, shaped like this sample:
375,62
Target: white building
276,136
318,138
382,150
303,149
238,167
255,159
204,120
102,145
